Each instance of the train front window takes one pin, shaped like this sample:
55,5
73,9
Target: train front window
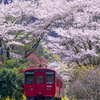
49,77
29,77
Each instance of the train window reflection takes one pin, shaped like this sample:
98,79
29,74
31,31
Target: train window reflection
49,78
29,77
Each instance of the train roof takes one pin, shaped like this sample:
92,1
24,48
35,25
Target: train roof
38,68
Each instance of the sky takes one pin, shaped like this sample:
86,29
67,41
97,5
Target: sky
5,1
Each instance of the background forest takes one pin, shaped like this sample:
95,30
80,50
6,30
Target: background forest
43,32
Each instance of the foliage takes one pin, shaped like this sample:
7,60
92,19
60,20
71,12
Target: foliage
20,89
8,83
45,52
11,64
35,61
78,71
41,56
11,67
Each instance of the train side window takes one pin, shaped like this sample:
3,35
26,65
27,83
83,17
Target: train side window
39,79
29,77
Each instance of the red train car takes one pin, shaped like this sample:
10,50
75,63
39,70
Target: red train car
42,84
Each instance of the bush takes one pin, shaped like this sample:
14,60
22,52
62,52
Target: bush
87,85
11,84
8,83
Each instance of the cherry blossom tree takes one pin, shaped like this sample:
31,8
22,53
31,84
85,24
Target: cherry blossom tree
24,23
76,25
63,69
20,27
77,33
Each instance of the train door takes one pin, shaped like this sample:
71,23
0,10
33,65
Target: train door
40,77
